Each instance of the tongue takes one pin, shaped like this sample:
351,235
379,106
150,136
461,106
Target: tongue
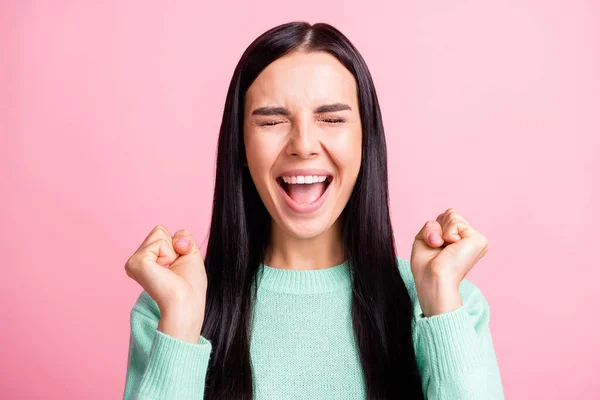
305,193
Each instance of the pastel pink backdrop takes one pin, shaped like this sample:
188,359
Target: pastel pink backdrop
108,126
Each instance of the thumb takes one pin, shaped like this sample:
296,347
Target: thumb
183,242
431,234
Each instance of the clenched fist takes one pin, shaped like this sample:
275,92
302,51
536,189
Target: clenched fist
443,252
172,271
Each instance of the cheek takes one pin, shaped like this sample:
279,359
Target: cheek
260,153
347,152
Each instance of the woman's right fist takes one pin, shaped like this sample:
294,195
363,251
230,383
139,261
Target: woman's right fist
172,271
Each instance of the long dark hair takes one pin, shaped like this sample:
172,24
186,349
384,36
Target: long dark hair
240,229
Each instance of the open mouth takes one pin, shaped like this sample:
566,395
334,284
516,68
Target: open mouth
305,190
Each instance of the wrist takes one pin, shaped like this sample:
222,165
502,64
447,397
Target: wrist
182,326
438,299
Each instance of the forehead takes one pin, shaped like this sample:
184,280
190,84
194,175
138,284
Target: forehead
303,79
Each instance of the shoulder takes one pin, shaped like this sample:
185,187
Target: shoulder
472,297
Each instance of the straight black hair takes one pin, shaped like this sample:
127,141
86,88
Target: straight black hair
240,231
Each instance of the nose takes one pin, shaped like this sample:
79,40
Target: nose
304,141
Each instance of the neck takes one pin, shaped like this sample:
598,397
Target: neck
322,251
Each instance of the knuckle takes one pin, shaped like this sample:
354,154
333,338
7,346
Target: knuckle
130,266
159,228
482,254
136,261
486,244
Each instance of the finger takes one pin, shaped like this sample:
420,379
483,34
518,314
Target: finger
158,232
161,251
448,214
456,228
154,278
431,234
149,267
443,217
183,242
446,221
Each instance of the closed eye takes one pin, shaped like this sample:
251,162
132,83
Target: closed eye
269,123
333,120
328,120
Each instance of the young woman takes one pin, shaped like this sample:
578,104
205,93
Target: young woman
300,294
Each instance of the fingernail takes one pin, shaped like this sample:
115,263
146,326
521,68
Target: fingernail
434,237
183,242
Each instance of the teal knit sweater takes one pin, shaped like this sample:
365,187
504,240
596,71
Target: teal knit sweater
302,344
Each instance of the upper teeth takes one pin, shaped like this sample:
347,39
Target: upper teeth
303,179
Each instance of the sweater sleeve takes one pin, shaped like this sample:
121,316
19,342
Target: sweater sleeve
454,350
160,366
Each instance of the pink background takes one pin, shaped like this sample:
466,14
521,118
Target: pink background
109,114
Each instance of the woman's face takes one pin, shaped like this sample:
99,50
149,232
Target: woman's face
303,138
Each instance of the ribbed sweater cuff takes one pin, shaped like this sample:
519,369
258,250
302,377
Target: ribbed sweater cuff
450,342
176,368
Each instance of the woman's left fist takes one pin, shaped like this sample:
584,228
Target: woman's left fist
443,252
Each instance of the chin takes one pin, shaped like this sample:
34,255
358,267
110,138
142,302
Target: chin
305,229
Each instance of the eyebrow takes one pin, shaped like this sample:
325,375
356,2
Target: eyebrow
284,111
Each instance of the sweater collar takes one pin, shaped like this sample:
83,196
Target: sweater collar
304,281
